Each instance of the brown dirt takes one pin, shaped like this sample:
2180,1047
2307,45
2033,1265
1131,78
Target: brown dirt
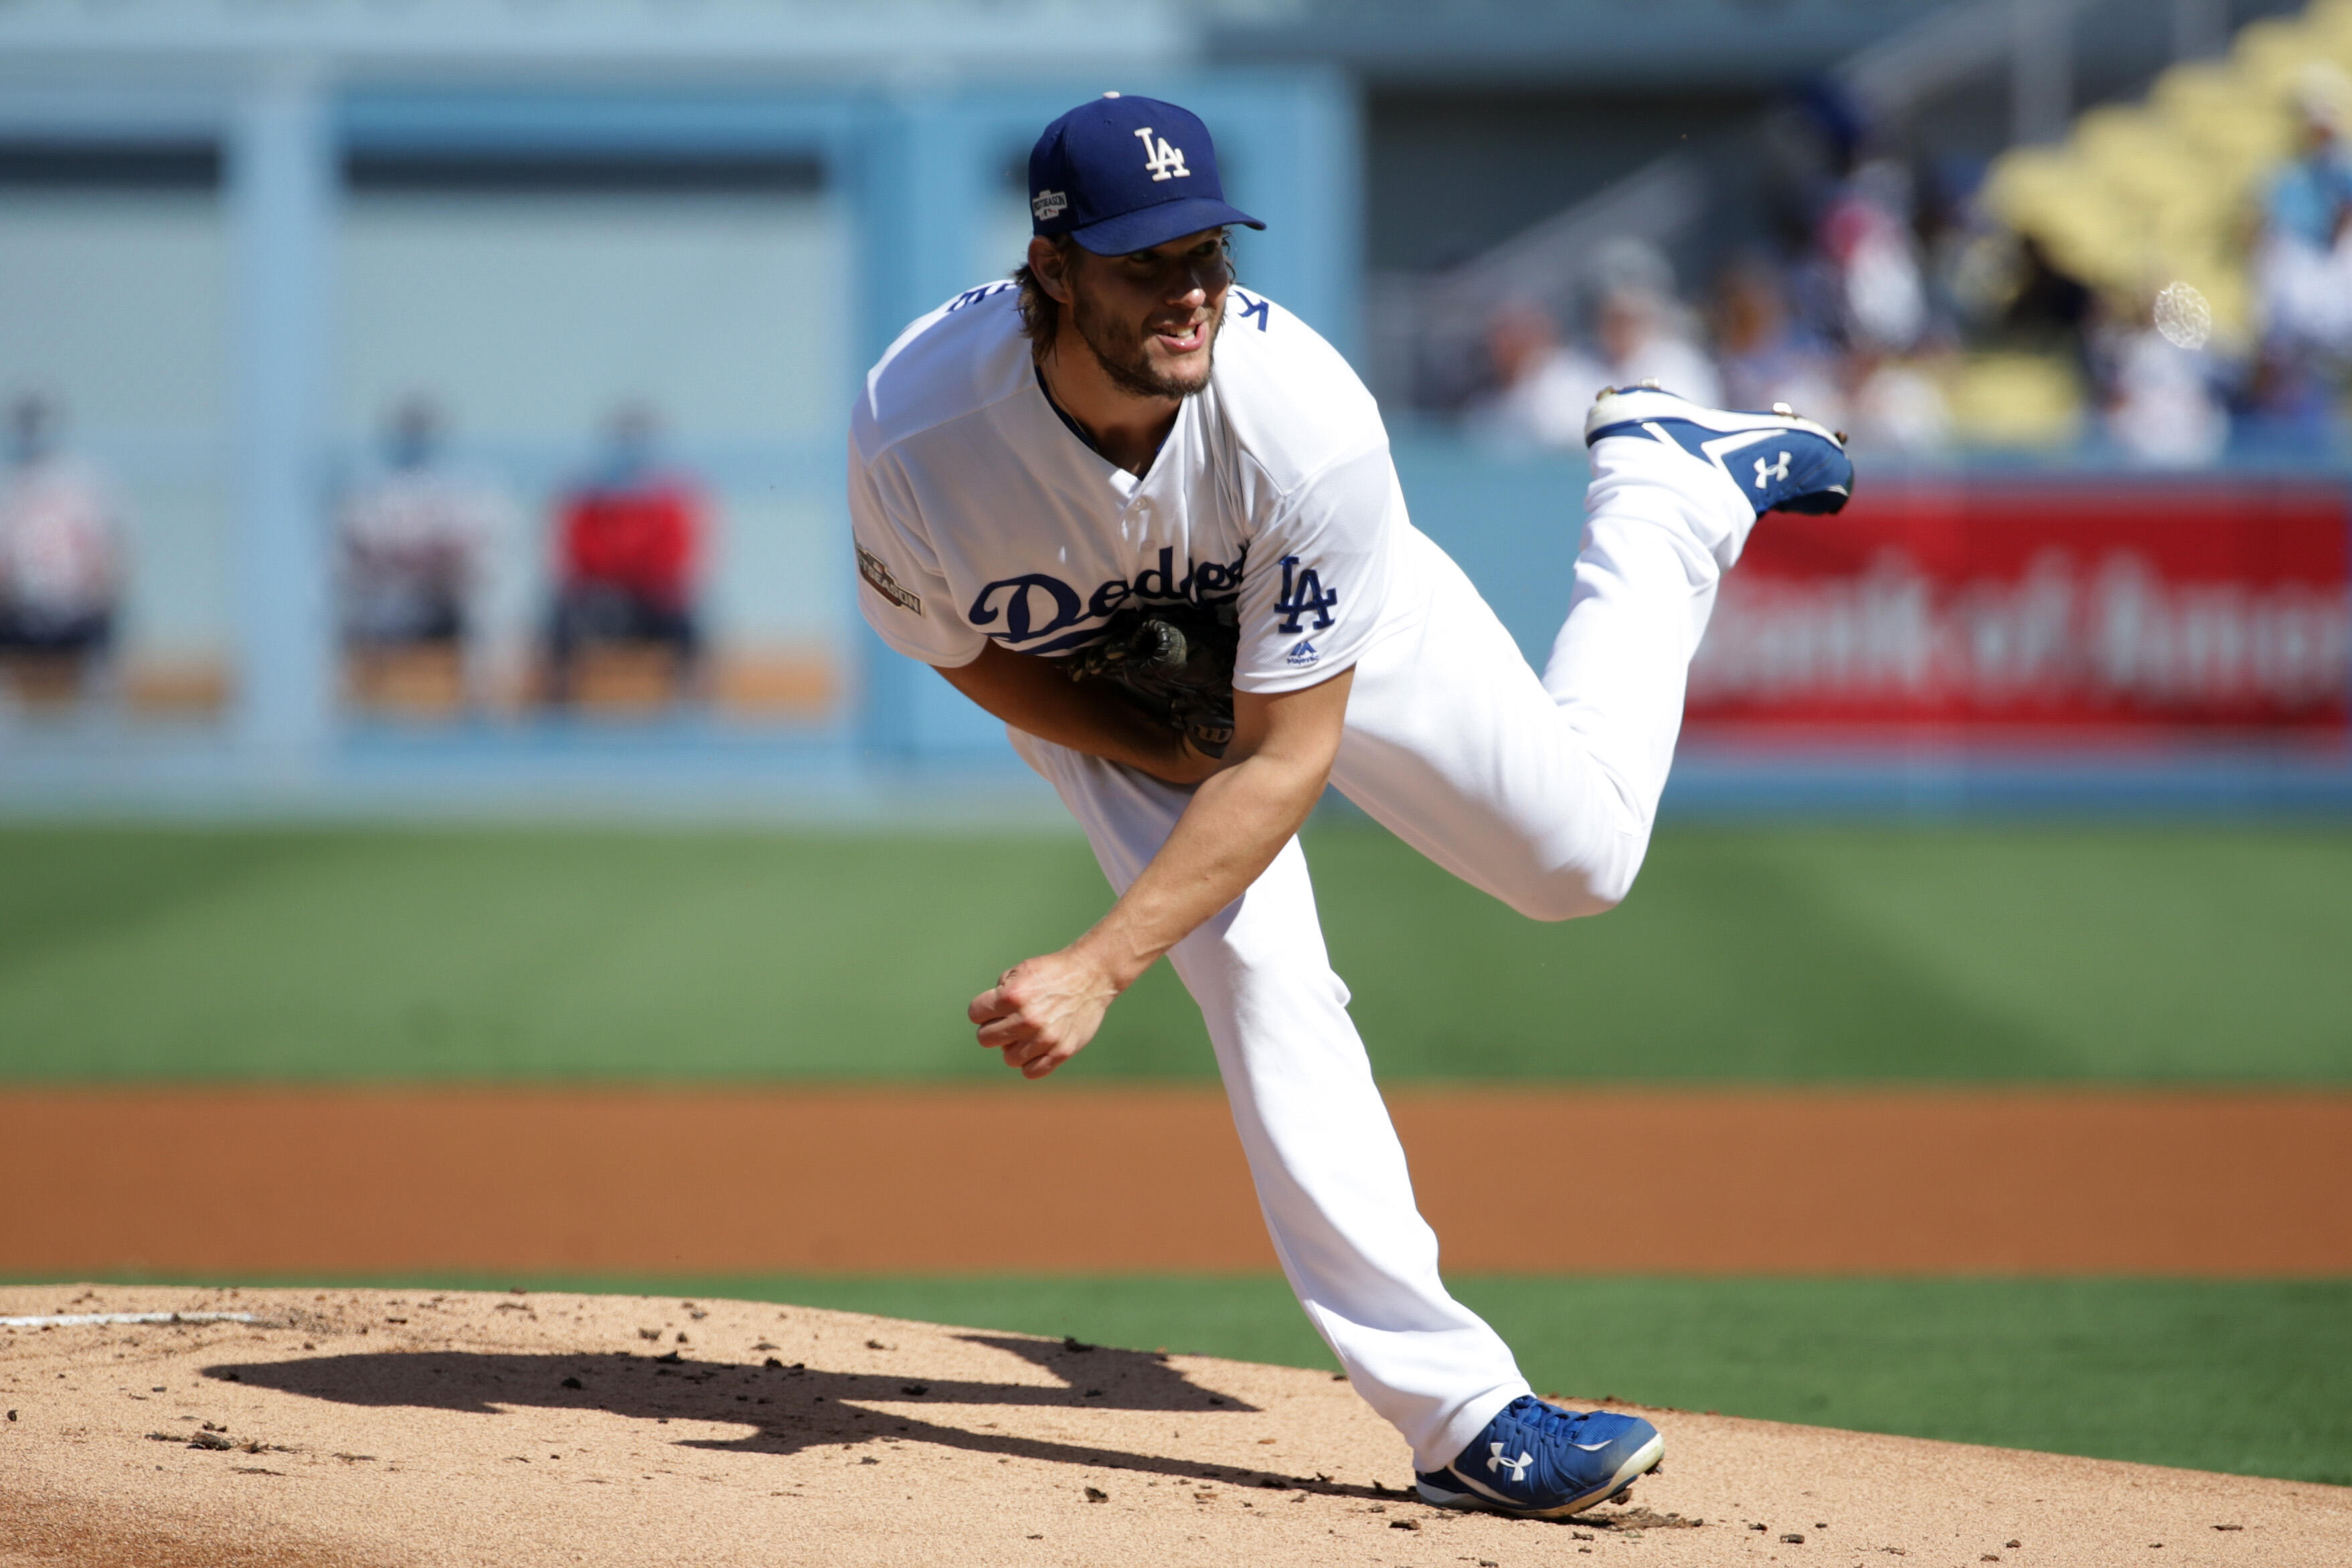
370,1429
221,1182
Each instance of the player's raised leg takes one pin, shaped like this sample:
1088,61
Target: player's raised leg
1330,1175
1542,789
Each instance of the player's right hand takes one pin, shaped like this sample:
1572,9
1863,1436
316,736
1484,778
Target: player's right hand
1043,1010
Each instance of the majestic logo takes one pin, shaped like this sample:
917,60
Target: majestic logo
877,577
1518,1466
1303,656
1766,471
1047,205
1303,593
1165,163
1036,605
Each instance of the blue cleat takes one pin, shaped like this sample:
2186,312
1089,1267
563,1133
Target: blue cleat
1543,1462
1780,463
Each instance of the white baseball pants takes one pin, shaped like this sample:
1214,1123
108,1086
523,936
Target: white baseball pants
1539,791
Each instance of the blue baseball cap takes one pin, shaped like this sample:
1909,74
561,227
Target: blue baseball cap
1122,174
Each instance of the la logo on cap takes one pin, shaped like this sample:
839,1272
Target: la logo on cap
1165,163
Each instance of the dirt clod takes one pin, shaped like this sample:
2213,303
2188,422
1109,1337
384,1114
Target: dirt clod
208,1441
1096,1494
1404,1524
1792,1538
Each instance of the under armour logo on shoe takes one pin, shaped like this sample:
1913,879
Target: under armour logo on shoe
1766,471
1518,1466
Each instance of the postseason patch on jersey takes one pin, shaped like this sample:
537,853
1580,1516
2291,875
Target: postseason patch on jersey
878,578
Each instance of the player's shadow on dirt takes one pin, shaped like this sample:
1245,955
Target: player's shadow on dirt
789,1408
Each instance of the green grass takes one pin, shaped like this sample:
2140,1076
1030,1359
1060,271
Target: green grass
1790,954
2255,1378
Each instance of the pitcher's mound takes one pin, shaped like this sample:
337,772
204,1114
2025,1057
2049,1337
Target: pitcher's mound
367,1428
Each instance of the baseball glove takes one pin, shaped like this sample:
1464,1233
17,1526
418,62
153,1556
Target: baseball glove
1176,662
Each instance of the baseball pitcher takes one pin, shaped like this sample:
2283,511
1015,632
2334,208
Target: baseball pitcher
1148,518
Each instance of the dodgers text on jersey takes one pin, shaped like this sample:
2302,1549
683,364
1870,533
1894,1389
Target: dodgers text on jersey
1038,604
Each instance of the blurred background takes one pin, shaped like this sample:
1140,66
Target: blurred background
429,666
442,402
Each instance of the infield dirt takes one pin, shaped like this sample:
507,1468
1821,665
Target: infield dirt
366,1429
666,1181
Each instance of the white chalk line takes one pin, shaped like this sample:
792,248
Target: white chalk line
81,1320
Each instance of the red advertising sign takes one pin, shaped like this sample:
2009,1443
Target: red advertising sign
2049,607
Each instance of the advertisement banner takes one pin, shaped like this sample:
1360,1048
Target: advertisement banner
2051,609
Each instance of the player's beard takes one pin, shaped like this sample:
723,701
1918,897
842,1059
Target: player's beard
1118,348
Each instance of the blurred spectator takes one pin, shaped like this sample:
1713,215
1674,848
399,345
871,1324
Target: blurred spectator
2309,199
1896,407
1641,329
1766,357
2303,270
60,564
628,542
1542,388
2164,408
1641,340
415,541
1865,237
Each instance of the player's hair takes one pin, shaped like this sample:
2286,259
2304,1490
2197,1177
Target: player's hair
1040,313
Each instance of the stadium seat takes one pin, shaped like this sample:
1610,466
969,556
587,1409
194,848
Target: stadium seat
2144,194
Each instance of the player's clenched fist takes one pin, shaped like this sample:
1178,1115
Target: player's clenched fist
1043,1010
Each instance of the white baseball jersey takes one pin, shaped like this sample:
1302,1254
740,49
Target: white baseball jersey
980,513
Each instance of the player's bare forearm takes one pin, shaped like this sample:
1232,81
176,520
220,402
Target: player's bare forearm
1036,696
1237,822
1043,1011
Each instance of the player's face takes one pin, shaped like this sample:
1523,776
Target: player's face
1151,317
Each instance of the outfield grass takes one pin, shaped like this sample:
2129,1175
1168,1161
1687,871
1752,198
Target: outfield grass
1983,953
2255,1378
